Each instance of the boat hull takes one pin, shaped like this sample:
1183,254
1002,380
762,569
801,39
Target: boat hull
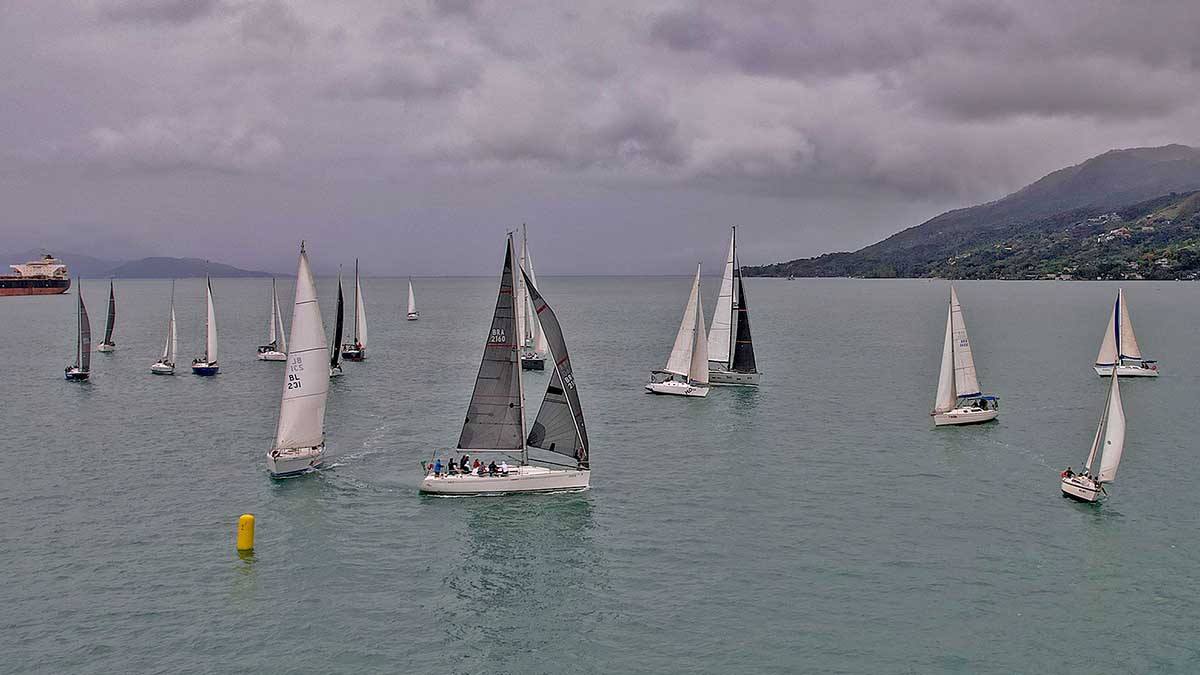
335,372
1126,371
674,388
10,286
1080,489
292,462
522,479
161,368
351,353
205,369
76,375
106,347
731,378
272,356
413,316
959,417
533,363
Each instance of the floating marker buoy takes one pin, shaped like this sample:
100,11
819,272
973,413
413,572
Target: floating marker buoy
245,535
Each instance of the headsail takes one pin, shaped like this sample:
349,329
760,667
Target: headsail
83,355
360,311
536,337
412,300
945,392
306,380
966,383
1110,345
335,354
559,426
1114,435
273,318
210,334
278,320
172,344
743,345
1127,344
698,368
720,333
680,360
112,314
495,416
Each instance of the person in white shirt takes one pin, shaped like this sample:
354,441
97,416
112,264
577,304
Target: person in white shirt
503,468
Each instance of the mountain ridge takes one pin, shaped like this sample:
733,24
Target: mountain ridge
151,267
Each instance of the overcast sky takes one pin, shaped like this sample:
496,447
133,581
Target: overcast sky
412,134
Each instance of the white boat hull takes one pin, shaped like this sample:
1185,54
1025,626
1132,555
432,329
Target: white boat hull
519,479
731,378
335,372
675,388
272,356
413,316
105,348
964,416
1126,371
1080,488
161,368
289,462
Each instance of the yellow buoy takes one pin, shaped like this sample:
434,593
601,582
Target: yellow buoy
245,535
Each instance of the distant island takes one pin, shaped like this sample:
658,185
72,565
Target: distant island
1126,214
142,268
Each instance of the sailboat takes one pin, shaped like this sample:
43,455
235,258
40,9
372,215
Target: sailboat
276,347
413,314
357,350
207,364
335,351
959,399
82,368
495,420
107,344
686,372
1109,443
166,362
533,344
730,349
299,446
1119,349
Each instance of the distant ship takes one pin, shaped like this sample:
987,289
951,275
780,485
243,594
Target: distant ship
47,276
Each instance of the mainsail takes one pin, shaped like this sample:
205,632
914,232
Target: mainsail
965,381
277,320
335,353
112,315
680,360
495,416
83,354
698,369
559,425
1119,341
743,346
535,337
172,344
412,300
272,339
306,381
720,333
210,333
360,311
945,392
1128,346
1114,436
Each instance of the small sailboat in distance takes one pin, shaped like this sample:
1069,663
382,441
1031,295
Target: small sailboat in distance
207,364
166,362
413,314
686,372
82,368
299,445
357,350
495,420
335,353
1109,444
959,399
276,347
107,344
533,342
1119,350
730,348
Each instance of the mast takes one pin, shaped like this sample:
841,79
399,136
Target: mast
360,311
273,317
79,325
278,319
357,302
168,355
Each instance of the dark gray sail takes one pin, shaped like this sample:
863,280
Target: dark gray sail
84,360
112,315
335,352
559,426
743,346
495,420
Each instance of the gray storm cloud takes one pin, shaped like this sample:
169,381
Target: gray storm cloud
413,134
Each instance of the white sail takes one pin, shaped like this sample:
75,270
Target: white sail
536,335
1108,346
698,369
412,301
720,332
171,345
966,383
946,395
278,319
360,312
521,296
272,319
1114,435
210,337
680,361
1128,346
306,381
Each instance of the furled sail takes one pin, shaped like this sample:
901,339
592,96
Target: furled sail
1127,346
1114,435
743,346
210,334
680,360
335,353
306,380
720,333
112,315
945,391
965,381
495,416
83,357
559,425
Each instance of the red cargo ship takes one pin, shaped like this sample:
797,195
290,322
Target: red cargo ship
47,276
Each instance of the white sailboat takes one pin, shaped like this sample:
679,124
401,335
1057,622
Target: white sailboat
207,364
1119,349
413,314
730,348
686,372
357,350
1109,444
166,362
495,420
107,345
959,399
276,347
299,446
335,351
533,344
82,368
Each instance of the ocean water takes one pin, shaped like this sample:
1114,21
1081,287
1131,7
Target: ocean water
818,524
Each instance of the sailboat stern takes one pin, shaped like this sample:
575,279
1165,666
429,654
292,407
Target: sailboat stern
1081,488
162,368
731,377
520,479
291,462
205,368
106,347
533,361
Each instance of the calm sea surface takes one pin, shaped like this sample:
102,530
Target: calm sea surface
819,524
